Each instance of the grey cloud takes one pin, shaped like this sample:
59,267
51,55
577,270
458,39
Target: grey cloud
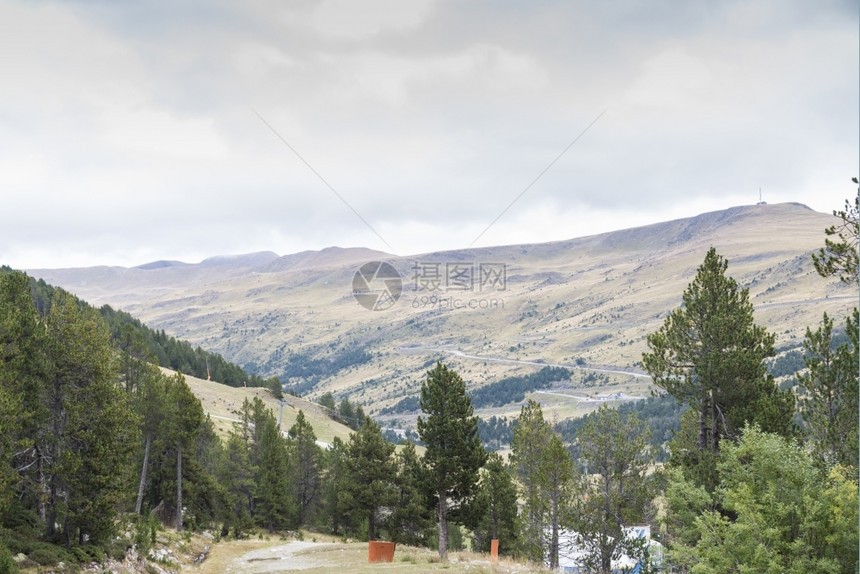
428,122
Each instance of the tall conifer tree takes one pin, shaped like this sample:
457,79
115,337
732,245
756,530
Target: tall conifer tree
545,471
370,476
454,451
274,508
497,507
828,403
184,420
710,354
412,516
91,420
306,456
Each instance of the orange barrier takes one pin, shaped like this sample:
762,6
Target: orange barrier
380,551
494,551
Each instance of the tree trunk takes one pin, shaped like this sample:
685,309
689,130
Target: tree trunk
179,487
702,439
606,548
53,497
371,525
53,489
714,433
139,502
553,545
443,525
43,488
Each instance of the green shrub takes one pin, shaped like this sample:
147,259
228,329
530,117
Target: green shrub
15,543
80,555
22,520
7,564
144,533
47,554
117,549
95,553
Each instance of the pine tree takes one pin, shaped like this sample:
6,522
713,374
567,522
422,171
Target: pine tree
274,507
776,511
306,456
184,419
326,401
22,367
841,257
454,452
237,476
370,476
531,436
8,431
150,399
93,425
545,470
617,491
710,354
334,485
496,504
413,515
347,414
828,403
556,477
134,357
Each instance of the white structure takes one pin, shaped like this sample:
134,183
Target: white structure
571,552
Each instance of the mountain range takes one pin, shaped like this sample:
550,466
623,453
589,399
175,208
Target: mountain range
586,304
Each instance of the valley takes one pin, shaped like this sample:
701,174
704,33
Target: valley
489,313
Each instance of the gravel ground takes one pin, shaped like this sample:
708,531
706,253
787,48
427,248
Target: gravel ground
284,558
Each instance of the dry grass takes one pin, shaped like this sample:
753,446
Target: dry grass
331,555
223,403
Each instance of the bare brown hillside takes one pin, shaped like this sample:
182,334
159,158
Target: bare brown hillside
590,300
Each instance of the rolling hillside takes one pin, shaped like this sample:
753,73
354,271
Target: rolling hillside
585,303
223,403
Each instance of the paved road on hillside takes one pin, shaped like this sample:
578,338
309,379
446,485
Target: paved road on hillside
455,352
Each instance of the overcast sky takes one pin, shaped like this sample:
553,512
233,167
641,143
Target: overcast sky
138,131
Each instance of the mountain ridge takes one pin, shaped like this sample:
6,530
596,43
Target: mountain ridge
333,255
583,301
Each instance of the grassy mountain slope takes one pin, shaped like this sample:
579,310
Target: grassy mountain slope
223,404
585,303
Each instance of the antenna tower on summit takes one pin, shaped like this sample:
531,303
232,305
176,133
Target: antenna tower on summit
760,202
